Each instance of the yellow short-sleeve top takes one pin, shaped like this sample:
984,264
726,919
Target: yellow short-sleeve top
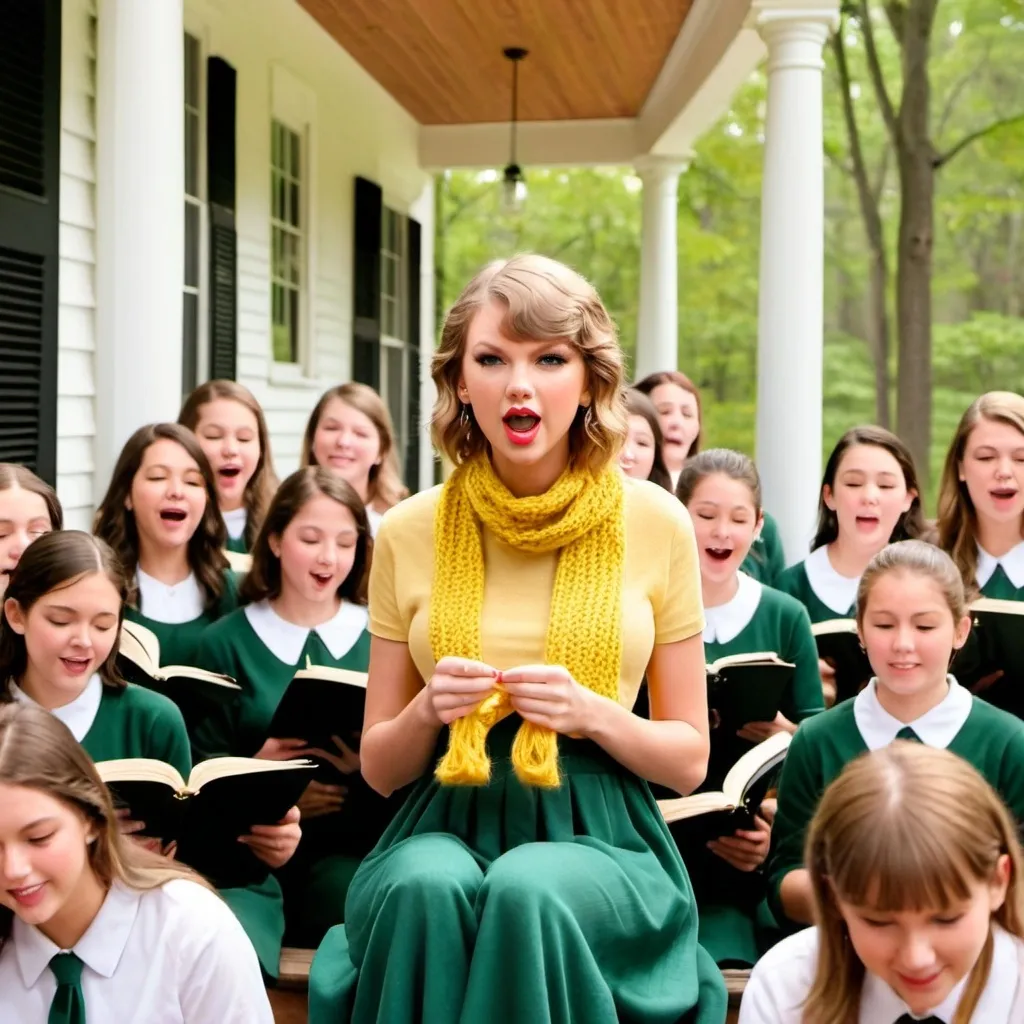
661,597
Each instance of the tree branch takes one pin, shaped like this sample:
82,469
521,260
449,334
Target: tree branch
883,173
972,137
896,13
877,78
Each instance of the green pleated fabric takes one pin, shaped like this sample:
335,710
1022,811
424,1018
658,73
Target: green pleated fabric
508,904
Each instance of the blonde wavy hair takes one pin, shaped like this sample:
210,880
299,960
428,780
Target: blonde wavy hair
543,300
385,487
958,518
905,828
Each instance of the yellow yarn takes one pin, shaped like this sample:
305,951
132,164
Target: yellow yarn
581,517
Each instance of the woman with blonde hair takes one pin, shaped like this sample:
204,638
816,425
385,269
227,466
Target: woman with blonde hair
915,867
350,433
513,613
92,926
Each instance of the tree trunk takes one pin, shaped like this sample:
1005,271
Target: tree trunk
1013,305
913,277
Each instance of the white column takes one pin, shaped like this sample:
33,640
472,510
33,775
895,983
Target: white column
790,315
423,209
140,246
657,341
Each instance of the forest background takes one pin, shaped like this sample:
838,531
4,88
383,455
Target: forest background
973,57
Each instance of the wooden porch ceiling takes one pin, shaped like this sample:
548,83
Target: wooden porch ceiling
442,59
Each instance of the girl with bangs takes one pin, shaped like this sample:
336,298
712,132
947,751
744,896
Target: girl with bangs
915,873
160,515
232,431
92,926
677,402
350,434
29,508
303,603
912,617
58,649
642,456
514,611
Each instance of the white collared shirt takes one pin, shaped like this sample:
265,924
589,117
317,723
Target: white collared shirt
834,591
235,521
174,605
79,714
172,955
1012,563
374,517
285,640
725,622
782,979
935,728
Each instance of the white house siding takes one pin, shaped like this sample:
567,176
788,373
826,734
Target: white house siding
357,129
76,404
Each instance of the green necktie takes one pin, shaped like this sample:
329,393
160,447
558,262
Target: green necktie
68,1006
906,733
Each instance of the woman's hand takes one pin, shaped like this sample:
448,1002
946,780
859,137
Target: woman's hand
133,830
457,687
275,749
344,759
744,850
986,681
548,696
275,844
827,671
319,799
757,732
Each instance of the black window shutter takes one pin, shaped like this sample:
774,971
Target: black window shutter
412,446
29,230
220,177
369,216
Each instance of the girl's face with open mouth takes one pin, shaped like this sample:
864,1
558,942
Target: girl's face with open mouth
168,495
993,470
230,438
725,523
868,496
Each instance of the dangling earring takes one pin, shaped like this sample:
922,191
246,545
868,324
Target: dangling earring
464,416
588,418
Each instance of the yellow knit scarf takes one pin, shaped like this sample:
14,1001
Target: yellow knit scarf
581,517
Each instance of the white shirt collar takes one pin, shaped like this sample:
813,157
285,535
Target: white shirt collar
235,521
836,592
80,713
373,517
285,640
1012,563
174,605
935,728
879,1003
725,622
100,948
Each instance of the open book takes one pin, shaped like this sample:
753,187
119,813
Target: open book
839,644
746,784
746,688
996,641
221,800
195,690
321,702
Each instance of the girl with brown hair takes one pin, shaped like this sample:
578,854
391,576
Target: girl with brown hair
232,431
514,612
29,507
912,618
160,515
642,454
304,604
58,649
915,869
92,926
350,433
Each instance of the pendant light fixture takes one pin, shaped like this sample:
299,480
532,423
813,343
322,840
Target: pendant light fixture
513,183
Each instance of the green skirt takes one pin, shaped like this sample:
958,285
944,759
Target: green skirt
509,904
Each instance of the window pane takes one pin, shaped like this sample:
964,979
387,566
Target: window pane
275,144
191,245
293,204
295,154
395,384
293,324
192,153
190,347
191,70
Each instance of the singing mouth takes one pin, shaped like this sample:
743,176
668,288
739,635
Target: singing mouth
719,554
173,515
521,420
229,471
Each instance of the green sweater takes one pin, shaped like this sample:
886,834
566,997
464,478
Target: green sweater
136,722
179,641
794,581
990,739
232,646
1000,587
766,560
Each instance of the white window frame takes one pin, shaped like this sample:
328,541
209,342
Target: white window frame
293,104
202,289
400,340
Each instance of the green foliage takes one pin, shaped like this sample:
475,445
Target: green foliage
590,218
